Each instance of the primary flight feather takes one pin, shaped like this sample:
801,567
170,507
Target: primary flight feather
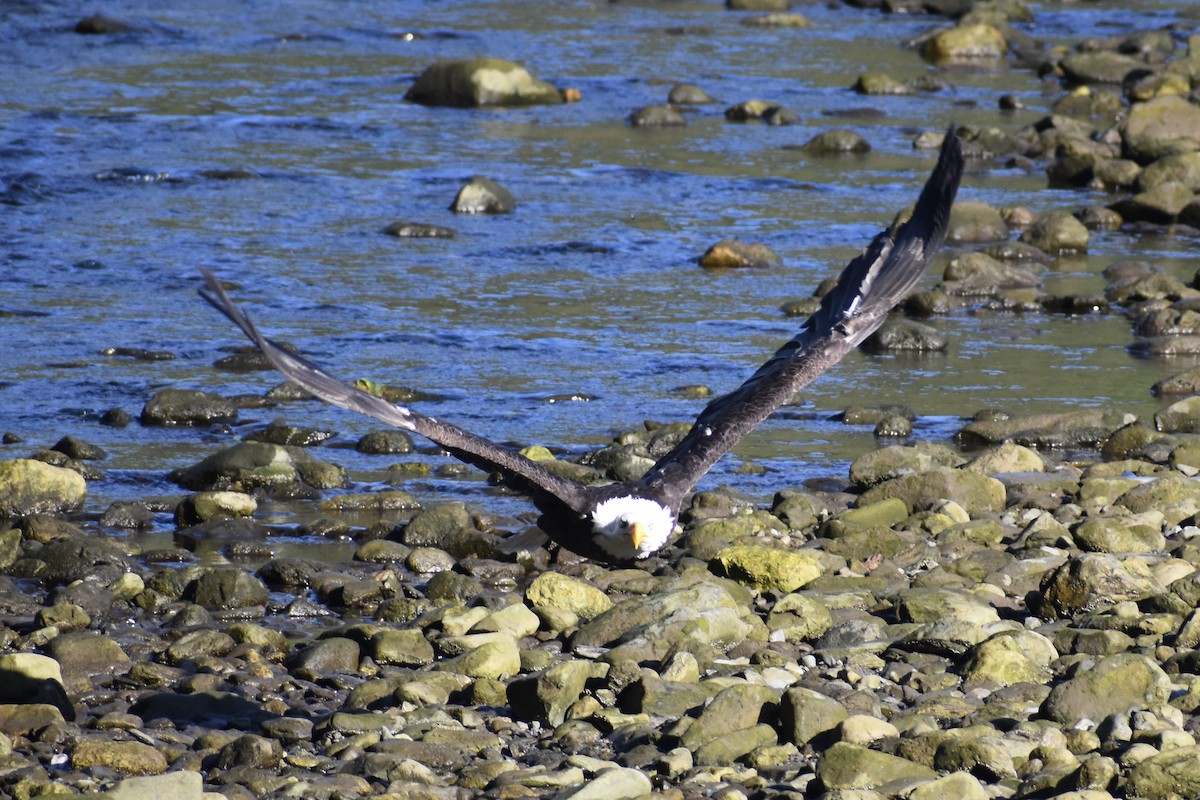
620,522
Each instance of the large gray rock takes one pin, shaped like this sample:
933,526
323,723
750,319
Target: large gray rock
1116,684
852,766
1090,580
806,714
1170,774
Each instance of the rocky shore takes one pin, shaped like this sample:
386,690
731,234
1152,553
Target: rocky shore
1009,614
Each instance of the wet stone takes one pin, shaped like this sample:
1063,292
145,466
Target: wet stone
187,407
837,141
388,442
224,588
657,115
483,195
324,657
418,230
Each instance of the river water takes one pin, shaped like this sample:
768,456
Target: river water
590,288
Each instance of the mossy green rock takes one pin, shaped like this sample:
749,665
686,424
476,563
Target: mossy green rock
1119,535
1115,684
405,648
799,617
204,506
480,82
547,695
668,699
852,766
1006,458
766,568
498,657
1161,127
704,613
555,590
884,514
965,43
734,709
1057,232
199,644
933,605
978,494
976,274
712,536
1171,774
437,525
1009,658
727,749
82,654
29,487
1174,495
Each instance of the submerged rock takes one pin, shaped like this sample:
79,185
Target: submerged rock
657,115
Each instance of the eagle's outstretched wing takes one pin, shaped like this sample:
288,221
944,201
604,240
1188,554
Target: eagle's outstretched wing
867,290
466,446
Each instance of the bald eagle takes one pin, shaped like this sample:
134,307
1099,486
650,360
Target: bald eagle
625,521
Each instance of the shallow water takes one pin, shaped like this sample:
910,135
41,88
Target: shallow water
591,287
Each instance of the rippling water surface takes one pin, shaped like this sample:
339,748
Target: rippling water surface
591,287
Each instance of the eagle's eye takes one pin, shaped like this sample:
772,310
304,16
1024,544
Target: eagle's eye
624,523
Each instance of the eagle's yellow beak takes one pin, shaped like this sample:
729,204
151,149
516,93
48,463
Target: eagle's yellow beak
637,534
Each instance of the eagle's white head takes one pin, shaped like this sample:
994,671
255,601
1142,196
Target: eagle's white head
631,527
